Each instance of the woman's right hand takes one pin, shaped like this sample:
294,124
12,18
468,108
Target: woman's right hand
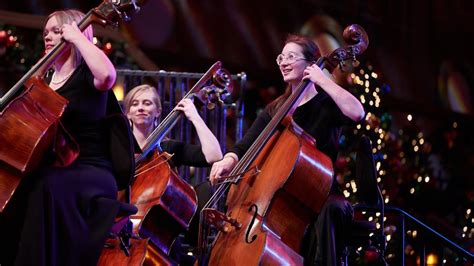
189,109
221,168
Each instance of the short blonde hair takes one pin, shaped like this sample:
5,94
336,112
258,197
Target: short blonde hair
133,92
67,17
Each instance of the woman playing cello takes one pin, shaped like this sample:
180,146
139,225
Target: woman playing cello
143,109
64,223
325,108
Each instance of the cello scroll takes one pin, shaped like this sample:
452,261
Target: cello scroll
110,9
358,41
220,88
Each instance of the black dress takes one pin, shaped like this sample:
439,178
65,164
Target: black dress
66,221
322,119
184,153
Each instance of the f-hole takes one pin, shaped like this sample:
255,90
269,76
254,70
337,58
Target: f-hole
253,209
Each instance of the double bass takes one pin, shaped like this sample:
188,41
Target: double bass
271,200
30,111
166,203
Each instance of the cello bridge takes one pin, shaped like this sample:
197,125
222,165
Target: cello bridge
219,220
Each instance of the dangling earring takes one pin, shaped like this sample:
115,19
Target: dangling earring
131,124
155,123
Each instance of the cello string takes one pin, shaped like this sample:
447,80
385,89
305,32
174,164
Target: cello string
160,128
141,166
154,166
238,177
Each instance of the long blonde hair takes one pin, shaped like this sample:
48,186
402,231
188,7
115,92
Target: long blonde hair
67,17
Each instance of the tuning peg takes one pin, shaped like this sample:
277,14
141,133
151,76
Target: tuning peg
123,15
220,101
355,62
342,65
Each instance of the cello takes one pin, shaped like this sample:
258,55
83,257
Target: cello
166,203
30,111
271,200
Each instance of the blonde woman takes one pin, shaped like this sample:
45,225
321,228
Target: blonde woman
143,109
64,223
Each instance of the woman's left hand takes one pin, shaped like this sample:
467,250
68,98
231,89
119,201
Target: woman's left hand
188,108
315,74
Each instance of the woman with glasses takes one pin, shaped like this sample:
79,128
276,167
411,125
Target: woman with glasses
324,109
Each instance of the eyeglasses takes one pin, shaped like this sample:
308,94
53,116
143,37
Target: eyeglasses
290,58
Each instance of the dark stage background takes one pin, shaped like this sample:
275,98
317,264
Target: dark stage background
416,80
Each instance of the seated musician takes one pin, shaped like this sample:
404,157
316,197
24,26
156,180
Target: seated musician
143,109
325,108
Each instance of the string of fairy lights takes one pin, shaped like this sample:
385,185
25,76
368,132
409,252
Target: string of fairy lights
397,157
13,50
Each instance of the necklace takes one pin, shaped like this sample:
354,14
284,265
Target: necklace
61,81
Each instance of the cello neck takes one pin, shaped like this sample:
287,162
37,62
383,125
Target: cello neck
286,110
198,91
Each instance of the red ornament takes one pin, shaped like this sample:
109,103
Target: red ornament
3,38
371,256
341,163
107,48
11,41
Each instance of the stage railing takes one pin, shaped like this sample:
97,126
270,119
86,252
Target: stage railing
224,121
427,237
431,234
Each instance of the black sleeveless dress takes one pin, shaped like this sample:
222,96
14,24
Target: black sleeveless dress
65,223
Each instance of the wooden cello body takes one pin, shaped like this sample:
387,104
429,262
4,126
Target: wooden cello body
278,187
277,204
166,203
28,127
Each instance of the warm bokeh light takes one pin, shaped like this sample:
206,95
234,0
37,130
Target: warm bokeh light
119,91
